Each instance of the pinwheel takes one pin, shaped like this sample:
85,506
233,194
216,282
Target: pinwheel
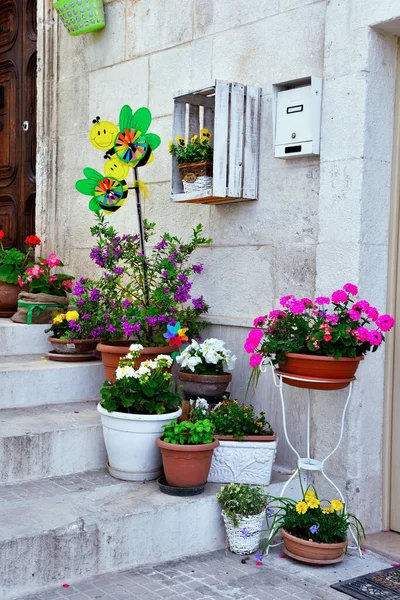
176,335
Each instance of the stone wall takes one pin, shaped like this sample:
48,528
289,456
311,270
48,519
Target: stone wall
318,222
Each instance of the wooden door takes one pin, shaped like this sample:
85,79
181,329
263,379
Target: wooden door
18,33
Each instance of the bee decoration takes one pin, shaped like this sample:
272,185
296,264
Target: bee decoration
108,192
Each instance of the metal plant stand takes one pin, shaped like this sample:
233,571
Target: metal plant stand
308,463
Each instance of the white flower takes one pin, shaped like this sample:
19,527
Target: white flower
217,406
135,347
202,403
203,412
192,362
212,357
165,358
218,345
124,372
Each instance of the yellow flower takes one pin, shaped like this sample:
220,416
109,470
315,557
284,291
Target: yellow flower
58,318
308,495
181,141
194,138
337,504
327,510
170,145
313,502
301,508
235,402
204,133
72,315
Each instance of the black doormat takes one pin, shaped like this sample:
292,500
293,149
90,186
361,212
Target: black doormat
382,585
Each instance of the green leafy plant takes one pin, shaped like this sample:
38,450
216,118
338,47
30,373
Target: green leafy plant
143,389
13,262
239,500
312,519
197,150
188,433
231,418
207,358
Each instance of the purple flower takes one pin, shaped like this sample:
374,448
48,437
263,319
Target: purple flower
152,321
167,291
162,244
111,328
174,257
112,304
126,304
78,289
245,533
86,316
164,274
130,329
107,275
94,295
314,529
259,556
173,310
81,302
171,321
161,318
182,278
99,257
271,512
199,303
182,293
118,270
74,326
198,268
82,280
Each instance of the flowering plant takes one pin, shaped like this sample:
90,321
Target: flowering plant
13,262
335,325
188,433
140,295
241,500
208,358
39,279
197,150
62,325
141,389
231,418
312,519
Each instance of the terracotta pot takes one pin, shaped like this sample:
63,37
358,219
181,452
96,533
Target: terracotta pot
313,553
8,298
73,346
204,386
111,352
186,466
337,372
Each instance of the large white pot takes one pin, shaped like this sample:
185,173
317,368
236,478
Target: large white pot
131,443
243,462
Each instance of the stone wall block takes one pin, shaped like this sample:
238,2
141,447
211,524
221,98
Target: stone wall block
294,272
376,185
70,92
212,17
160,169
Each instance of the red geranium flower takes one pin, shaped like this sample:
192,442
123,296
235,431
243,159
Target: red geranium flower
1,234
33,240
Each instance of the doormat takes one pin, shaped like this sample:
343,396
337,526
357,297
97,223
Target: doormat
381,585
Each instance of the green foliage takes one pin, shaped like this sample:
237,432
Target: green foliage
12,264
231,418
240,500
188,433
197,150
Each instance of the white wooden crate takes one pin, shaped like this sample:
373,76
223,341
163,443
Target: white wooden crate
231,112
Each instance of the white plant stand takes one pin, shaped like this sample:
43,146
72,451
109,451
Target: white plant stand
308,463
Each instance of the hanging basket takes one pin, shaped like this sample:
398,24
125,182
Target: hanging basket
254,525
81,16
196,177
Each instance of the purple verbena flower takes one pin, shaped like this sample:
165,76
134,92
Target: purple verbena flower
164,274
182,293
74,326
259,556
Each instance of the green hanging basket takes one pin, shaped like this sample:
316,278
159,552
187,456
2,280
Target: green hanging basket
81,16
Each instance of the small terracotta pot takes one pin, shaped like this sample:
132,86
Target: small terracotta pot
8,298
313,553
111,352
204,386
73,346
247,438
186,466
337,372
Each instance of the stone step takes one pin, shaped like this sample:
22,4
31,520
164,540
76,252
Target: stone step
52,440
67,529
16,338
33,380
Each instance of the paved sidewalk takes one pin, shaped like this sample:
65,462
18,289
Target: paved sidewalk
220,576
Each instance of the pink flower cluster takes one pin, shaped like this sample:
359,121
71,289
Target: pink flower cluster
253,339
52,261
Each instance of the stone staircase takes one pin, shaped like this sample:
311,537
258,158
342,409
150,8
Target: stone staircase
62,517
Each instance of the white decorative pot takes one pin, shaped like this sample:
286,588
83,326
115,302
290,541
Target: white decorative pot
243,462
131,443
248,541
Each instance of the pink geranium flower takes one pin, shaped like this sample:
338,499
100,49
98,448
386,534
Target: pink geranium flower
276,314
255,360
354,314
307,302
332,319
322,300
362,306
253,339
372,313
375,337
339,296
297,307
351,289
362,334
385,322
285,300
259,321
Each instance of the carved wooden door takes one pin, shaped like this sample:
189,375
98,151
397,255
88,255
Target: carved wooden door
18,33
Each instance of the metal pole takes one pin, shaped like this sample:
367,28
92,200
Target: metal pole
141,235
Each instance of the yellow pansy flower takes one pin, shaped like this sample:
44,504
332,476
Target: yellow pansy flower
301,508
181,141
58,318
313,502
204,133
170,145
337,504
72,315
308,495
327,510
194,138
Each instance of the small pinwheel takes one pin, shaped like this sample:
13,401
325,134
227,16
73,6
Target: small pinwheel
133,144
176,335
108,193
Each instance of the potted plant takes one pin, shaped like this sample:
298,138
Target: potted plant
138,296
203,370
325,338
133,410
195,161
247,443
81,17
71,338
313,531
243,511
46,291
187,450
12,265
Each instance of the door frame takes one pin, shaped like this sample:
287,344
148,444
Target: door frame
393,300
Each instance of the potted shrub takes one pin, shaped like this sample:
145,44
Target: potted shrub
71,337
325,338
12,266
138,296
243,511
313,531
133,410
203,370
46,291
247,443
187,450
195,161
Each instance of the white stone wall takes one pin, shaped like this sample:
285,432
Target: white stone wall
317,223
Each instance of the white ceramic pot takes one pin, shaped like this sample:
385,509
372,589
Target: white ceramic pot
245,538
131,443
243,462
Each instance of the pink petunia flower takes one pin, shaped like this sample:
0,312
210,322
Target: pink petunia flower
339,296
255,360
322,300
375,337
385,322
351,289
285,300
